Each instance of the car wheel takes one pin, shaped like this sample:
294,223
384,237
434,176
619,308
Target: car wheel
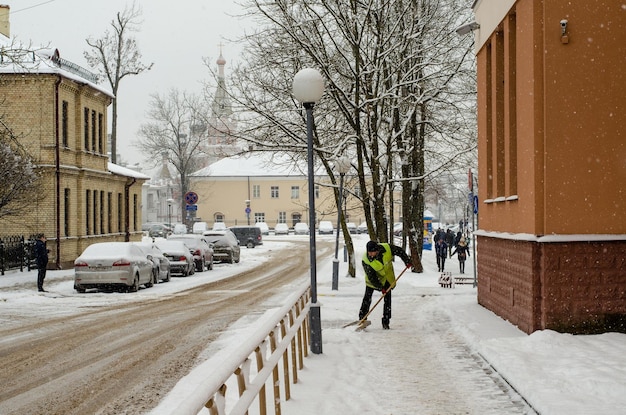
250,244
192,269
79,289
168,276
153,278
231,259
135,287
200,266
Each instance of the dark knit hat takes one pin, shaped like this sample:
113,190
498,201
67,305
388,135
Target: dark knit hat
372,246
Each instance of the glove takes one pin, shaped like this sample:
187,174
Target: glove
384,291
409,265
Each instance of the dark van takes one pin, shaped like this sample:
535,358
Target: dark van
249,236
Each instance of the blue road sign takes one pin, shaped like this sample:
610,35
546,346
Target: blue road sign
191,207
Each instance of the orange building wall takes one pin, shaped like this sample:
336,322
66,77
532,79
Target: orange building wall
568,116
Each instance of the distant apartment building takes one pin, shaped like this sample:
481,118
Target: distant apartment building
254,188
552,163
60,115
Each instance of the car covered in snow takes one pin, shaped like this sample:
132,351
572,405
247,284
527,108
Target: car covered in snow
119,265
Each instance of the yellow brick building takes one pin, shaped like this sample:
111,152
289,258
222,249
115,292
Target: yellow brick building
60,115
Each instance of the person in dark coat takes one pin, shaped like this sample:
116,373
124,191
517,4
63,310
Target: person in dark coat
449,241
41,255
462,252
441,250
379,275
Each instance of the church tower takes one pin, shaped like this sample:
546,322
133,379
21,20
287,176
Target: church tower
221,140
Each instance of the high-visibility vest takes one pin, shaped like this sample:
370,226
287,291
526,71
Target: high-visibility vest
384,270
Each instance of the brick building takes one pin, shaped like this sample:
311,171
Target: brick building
60,115
552,163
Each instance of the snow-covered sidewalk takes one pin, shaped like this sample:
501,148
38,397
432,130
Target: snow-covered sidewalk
440,351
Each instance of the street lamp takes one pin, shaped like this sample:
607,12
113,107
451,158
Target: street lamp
342,165
169,211
308,87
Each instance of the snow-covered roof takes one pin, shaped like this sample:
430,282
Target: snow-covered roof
254,164
28,60
124,171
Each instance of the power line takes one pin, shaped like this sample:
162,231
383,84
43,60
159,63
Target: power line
32,7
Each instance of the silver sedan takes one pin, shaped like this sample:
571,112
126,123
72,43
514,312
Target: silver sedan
119,265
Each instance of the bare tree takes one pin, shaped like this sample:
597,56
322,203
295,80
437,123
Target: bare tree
22,181
174,131
115,56
397,101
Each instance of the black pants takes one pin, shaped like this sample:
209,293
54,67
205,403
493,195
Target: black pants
462,266
367,301
41,275
441,262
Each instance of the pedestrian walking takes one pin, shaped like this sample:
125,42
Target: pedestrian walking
449,241
379,275
462,253
441,250
41,256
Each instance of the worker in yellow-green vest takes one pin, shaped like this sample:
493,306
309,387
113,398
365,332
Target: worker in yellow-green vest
379,275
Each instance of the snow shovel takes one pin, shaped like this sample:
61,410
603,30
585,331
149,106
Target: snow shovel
362,323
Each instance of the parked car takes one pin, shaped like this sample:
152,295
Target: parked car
225,245
219,226
200,227
281,229
352,227
362,228
199,248
180,229
158,231
301,228
265,230
161,265
179,255
397,229
249,236
112,264
325,227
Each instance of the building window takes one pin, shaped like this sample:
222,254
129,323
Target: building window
295,192
150,201
274,192
100,133
119,212
86,127
317,191
259,217
135,204
102,212
256,191
64,123
511,82
93,131
95,212
66,212
87,210
110,212
219,217
282,217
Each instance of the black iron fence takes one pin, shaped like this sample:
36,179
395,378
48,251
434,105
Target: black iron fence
17,252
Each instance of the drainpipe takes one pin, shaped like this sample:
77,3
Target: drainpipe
127,203
57,156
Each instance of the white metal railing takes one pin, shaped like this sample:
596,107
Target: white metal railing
279,343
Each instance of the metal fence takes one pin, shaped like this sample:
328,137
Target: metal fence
16,251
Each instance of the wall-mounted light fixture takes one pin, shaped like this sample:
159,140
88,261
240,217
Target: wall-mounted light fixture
466,28
564,36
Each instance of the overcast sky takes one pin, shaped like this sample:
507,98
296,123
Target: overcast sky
176,36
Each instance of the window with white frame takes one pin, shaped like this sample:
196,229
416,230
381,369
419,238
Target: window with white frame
256,191
295,192
274,192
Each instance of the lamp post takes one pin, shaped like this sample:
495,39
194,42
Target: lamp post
342,164
169,213
308,87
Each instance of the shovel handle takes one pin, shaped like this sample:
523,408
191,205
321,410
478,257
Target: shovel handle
382,296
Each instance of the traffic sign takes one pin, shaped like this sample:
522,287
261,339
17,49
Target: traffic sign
191,198
191,207
248,210
475,204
